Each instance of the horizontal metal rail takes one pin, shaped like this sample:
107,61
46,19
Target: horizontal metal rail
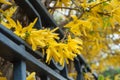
13,52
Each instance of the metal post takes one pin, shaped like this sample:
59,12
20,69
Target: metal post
45,77
64,73
78,68
20,70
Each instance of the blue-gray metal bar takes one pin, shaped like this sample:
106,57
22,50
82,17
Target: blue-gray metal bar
45,77
64,73
19,70
47,20
14,52
19,41
83,62
78,68
39,23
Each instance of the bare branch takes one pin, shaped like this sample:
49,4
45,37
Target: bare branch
62,8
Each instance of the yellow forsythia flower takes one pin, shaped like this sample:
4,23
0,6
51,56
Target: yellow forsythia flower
31,76
88,76
60,3
3,78
45,38
5,2
63,52
117,77
9,12
10,23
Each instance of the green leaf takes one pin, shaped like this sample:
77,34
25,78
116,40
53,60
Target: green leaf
105,3
106,21
101,77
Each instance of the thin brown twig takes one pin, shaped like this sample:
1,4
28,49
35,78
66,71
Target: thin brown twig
98,4
102,13
52,11
62,8
70,10
65,36
80,8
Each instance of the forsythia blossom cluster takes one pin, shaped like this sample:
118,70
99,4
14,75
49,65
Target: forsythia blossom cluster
45,39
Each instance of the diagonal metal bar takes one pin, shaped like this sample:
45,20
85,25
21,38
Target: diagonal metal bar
8,33
47,20
14,53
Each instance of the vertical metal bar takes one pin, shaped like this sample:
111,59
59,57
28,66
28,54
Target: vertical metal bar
78,68
45,77
64,73
20,70
48,78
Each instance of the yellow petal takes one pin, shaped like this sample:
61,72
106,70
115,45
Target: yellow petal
31,25
34,46
5,2
31,76
48,58
9,12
